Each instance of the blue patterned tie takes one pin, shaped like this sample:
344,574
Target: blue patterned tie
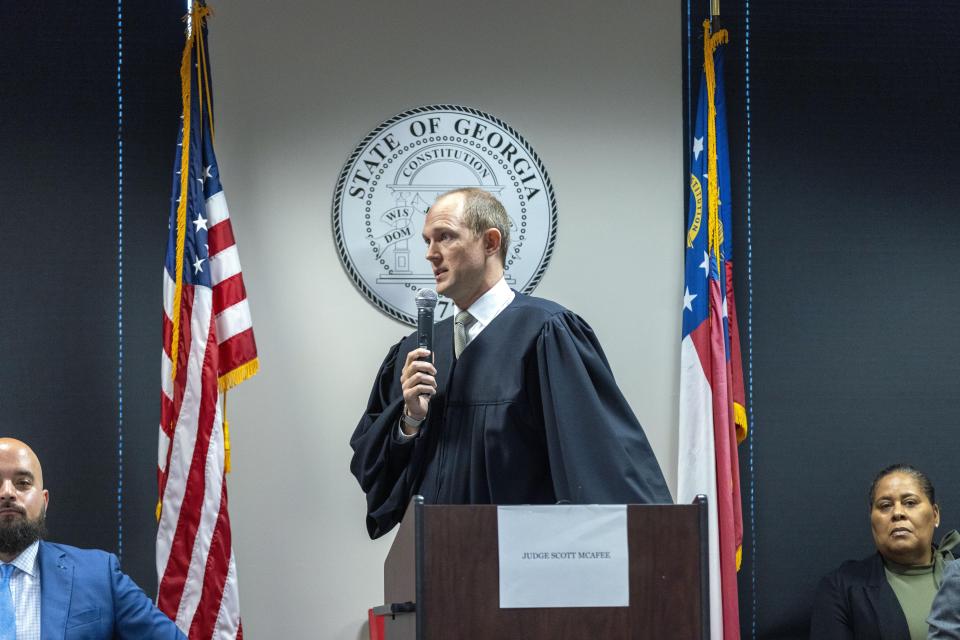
8,618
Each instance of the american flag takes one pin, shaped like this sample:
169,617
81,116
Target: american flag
208,347
712,414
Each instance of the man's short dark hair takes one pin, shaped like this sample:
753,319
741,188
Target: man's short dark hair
482,211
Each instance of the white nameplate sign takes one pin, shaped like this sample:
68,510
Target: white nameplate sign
563,556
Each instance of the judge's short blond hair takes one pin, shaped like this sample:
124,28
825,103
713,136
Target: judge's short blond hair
482,211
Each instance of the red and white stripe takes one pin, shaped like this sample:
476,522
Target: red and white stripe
234,325
195,561
708,457
697,468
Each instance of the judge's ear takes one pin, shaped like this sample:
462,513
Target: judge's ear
491,242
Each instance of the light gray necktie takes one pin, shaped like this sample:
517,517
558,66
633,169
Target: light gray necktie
461,324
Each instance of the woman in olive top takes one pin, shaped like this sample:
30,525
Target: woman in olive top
888,595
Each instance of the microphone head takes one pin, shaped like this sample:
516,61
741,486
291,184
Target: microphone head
426,299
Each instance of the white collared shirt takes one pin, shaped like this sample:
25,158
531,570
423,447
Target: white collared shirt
25,590
487,307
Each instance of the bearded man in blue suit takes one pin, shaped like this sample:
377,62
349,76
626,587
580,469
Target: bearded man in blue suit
53,591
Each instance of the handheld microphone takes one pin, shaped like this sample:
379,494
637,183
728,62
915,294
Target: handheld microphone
426,302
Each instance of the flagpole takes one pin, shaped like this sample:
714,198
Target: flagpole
715,16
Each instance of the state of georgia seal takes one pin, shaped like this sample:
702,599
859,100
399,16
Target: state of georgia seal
398,170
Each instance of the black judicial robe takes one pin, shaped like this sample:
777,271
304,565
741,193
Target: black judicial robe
529,414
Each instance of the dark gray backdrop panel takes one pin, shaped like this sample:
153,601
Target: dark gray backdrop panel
153,43
58,235
61,382
854,234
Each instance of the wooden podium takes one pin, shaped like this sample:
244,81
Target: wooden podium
441,580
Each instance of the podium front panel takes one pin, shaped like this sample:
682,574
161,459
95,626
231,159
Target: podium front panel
459,580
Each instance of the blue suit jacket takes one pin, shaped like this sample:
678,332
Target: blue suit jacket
85,596
944,617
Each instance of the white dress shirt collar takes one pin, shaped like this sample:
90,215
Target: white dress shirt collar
27,560
490,304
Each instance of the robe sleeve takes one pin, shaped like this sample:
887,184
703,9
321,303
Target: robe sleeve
597,448
386,465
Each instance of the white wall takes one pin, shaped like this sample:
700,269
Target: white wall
594,87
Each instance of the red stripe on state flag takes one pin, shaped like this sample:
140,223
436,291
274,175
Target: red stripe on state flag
170,590
734,464
727,466
219,237
736,361
700,337
215,574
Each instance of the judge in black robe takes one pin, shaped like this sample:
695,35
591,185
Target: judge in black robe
529,413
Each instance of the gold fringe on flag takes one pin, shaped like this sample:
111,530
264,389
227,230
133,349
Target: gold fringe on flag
226,382
226,432
238,375
740,420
